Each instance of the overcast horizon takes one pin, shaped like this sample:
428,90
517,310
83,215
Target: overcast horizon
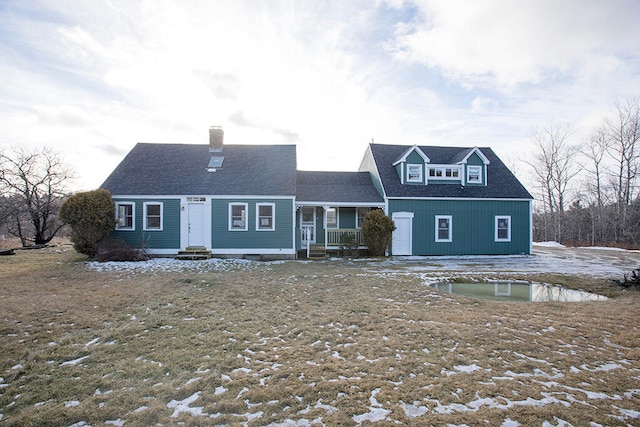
91,79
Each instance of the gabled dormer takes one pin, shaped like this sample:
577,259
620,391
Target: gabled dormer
412,166
465,166
473,166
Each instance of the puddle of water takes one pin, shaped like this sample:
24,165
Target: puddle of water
523,292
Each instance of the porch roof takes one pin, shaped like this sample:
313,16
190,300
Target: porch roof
337,188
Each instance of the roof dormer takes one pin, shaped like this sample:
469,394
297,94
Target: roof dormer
411,166
475,164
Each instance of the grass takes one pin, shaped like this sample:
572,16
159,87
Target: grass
333,342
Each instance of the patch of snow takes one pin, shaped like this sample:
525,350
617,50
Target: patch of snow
509,423
467,369
71,403
192,380
74,361
550,244
93,341
219,390
118,422
376,414
183,406
414,411
141,409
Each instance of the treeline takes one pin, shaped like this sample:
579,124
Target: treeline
587,193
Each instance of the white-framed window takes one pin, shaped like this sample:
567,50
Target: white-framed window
332,218
361,214
414,173
444,172
152,214
125,216
503,228
474,174
237,217
265,216
443,228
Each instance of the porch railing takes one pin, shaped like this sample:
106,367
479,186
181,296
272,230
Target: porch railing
338,236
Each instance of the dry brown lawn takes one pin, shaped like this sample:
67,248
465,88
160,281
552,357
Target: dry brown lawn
298,343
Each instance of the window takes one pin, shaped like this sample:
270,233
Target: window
362,214
265,213
444,172
237,217
443,228
152,216
125,216
414,173
332,218
474,174
503,228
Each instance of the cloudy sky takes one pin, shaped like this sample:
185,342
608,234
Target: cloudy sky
92,78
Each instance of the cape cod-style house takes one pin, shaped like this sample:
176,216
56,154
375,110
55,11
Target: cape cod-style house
251,201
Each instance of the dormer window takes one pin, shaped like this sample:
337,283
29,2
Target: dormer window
474,174
414,173
444,172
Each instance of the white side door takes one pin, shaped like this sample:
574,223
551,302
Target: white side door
196,224
401,240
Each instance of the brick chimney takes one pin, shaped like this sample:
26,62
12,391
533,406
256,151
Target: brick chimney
216,138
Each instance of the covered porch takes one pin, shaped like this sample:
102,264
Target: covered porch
331,228
330,210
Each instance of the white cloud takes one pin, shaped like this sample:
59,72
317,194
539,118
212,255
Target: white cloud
94,78
505,43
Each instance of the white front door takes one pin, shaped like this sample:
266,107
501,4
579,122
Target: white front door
196,224
307,225
401,241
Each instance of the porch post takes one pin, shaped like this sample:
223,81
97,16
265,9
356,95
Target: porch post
325,209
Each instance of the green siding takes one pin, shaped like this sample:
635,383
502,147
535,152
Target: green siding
347,218
167,238
281,237
473,226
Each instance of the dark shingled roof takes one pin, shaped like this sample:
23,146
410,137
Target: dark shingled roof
501,183
337,187
181,169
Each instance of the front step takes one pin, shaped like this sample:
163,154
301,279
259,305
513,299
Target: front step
317,252
194,253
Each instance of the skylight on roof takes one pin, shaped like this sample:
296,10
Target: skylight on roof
215,162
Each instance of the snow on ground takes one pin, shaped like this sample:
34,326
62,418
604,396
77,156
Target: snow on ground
547,257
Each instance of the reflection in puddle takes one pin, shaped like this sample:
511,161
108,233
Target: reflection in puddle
507,291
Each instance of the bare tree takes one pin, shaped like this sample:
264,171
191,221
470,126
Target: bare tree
554,165
623,135
33,184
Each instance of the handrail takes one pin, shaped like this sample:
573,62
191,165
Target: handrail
335,236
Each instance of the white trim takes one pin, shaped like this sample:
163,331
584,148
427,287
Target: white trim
273,217
253,251
450,220
230,218
325,213
458,199
459,168
420,174
497,219
145,226
479,153
133,215
480,174
206,196
341,204
404,215
403,158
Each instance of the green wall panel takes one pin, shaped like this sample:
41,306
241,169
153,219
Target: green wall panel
281,237
167,238
473,226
